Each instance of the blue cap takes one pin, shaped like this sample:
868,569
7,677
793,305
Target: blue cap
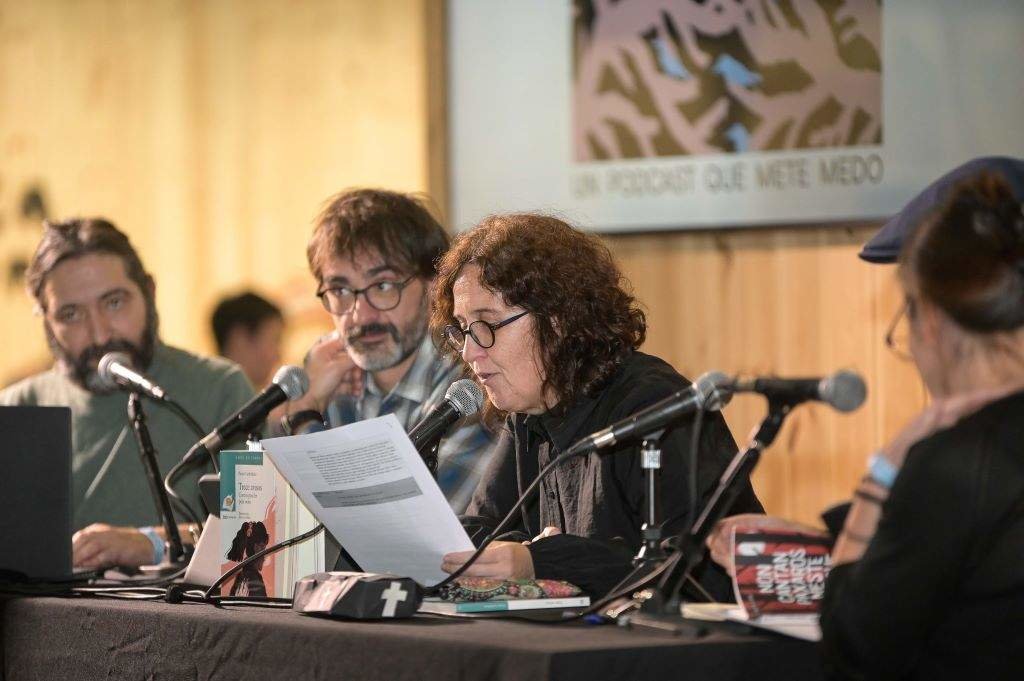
884,247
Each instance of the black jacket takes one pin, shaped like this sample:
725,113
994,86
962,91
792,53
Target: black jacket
939,592
598,500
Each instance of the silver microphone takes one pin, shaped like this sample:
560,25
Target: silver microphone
116,370
710,392
466,395
289,384
844,390
462,398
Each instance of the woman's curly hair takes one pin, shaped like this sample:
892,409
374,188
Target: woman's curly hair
586,321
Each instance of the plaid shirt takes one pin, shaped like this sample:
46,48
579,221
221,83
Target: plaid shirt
462,456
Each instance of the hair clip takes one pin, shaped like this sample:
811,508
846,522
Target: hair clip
985,224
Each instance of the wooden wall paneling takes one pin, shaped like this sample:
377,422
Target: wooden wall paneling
436,74
211,132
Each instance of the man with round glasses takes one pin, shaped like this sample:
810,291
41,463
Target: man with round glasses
372,254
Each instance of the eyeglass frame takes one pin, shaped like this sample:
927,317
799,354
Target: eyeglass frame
400,285
468,331
906,310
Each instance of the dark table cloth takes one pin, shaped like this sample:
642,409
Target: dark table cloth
79,639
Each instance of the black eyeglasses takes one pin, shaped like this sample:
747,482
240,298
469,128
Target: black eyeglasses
382,295
482,332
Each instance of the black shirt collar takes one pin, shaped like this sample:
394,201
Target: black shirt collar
562,428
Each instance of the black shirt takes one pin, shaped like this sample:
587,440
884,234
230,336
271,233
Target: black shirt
939,591
598,500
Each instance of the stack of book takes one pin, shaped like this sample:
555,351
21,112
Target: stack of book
476,595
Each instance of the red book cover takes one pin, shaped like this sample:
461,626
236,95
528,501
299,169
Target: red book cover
779,572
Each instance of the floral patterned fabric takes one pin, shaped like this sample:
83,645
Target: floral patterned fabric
481,589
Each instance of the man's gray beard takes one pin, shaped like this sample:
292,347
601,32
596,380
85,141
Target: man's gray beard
395,352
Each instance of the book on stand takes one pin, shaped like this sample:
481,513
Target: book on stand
248,522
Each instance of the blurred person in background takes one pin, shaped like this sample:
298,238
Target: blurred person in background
249,331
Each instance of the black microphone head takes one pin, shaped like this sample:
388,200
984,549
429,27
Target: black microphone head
713,390
844,390
106,379
466,396
292,380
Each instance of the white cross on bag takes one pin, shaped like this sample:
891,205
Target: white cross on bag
392,596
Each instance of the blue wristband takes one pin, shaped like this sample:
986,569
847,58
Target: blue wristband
157,541
881,470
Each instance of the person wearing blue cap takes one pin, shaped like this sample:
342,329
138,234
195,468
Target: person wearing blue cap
884,247
928,580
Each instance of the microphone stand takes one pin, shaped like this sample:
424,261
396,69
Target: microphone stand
176,553
660,606
428,449
429,456
651,552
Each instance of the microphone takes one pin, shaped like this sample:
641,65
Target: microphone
462,398
116,370
710,392
289,383
843,390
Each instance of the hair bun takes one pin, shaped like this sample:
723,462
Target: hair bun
1001,226
1016,219
968,258
987,225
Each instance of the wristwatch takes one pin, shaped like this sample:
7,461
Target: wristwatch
292,422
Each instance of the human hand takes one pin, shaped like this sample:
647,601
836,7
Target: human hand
720,539
546,532
100,545
940,414
331,372
500,560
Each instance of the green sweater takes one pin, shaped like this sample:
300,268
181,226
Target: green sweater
108,481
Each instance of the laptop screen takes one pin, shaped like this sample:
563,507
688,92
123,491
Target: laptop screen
35,492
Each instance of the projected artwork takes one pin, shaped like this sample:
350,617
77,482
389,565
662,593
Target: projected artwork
686,77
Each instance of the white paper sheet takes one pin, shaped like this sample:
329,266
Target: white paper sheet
204,567
804,627
367,484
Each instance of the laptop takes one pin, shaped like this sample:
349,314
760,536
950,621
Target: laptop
35,493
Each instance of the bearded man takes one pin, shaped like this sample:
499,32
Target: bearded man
372,254
95,297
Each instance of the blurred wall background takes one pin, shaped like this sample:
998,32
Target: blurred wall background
211,132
